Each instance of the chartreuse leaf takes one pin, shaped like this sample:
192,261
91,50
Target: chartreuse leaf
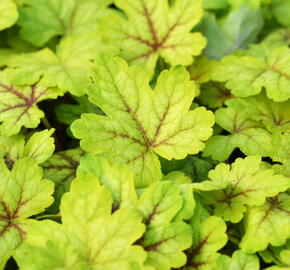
154,29
164,239
274,115
163,206
9,13
39,146
263,67
157,122
281,11
249,186
267,224
209,236
61,169
239,261
23,194
43,19
278,38
68,68
249,135
118,178
90,237
18,105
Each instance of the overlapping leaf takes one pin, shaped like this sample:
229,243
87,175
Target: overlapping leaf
89,237
42,20
155,29
68,68
61,169
140,122
208,237
267,224
23,194
18,105
250,136
263,67
249,185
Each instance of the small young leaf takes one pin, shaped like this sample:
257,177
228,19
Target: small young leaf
22,195
157,122
267,224
154,29
249,185
18,105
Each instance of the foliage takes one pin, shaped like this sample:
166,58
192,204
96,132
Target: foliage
144,134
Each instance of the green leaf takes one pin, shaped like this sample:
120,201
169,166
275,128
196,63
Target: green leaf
68,68
239,261
278,38
9,14
118,178
281,11
18,105
164,239
67,113
42,20
157,122
274,115
154,29
22,195
250,136
39,146
90,237
267,224
239,28
208,237
249,185
262,67
61,169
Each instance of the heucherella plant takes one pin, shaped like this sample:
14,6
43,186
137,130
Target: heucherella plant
145,134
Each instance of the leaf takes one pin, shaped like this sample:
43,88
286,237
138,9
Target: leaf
250,136
39,146
96,238
249,185
267,224
278,38
18,105
61,169
44,19
239,28
22,195
9,14
208,237
263,67
281,9
164,239
274,115
68,68
214,94
239,261
154,29
118,178
67,113
156,122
